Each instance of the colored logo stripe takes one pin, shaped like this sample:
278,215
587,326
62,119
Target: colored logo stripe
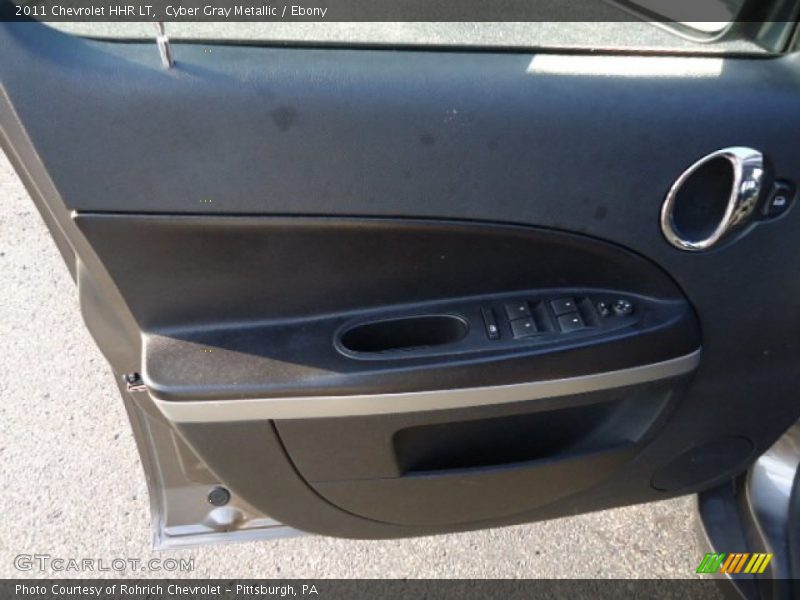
736,562
710,563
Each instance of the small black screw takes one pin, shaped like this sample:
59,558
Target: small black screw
132,378
219,496
133,381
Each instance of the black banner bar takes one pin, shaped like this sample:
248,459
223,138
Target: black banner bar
325,589
371,10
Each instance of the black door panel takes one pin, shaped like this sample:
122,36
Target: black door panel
275,298
284,242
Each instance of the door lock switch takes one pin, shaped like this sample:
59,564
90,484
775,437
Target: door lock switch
517,310
492,330
779,199
571,322
603,309
522,328
563,306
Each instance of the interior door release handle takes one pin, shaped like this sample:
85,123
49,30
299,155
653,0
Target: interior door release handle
713,198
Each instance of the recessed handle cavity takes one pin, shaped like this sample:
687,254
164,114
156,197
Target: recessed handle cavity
713,198
404,333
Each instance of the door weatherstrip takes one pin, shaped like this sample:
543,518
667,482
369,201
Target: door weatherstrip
312,407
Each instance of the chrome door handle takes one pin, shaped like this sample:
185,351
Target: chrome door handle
713,198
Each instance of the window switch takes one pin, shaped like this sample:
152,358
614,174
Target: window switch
517,310
563,306
523,328
571,322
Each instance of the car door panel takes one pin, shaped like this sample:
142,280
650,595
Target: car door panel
276,298
291,252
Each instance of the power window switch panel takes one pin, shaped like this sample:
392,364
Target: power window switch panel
563,306
570,323
523,328
517,310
